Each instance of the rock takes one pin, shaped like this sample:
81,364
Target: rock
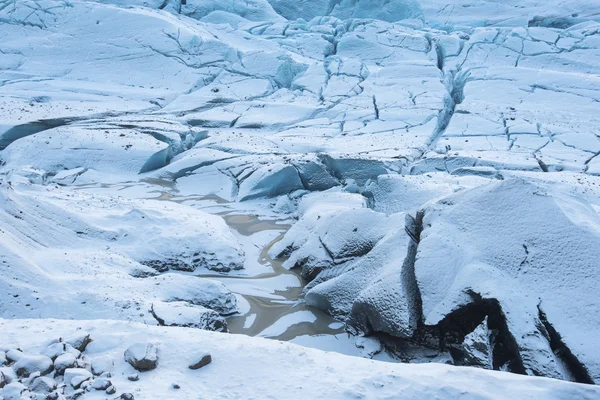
63,362
127,396
80,340
7,374
134,377
175,386
30,364
31,378
83,362
477,348
55,396
76,376
102,364
3,380
57,349
14,355
142,356
43,385
15,391
200,360
111,390
101,384
86,385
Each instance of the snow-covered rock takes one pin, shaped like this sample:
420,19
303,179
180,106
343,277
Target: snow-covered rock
76,376
142,356
64,361
28,364
43,385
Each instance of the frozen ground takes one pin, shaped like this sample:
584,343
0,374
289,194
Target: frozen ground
408,180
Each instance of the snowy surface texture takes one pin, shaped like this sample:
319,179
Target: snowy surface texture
422,175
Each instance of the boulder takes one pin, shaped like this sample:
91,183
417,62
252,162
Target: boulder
80,340
142,356
42,384
102,364
101,384
57,349
76,376
63,362
27,365
14,355
200,360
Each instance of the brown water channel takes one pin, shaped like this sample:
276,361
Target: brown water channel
265,312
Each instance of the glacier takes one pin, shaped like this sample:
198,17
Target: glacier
318,182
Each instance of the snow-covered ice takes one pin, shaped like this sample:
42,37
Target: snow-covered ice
404,180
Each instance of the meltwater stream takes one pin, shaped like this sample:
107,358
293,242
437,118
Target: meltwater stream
281,315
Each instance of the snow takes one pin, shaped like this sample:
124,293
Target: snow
402,180
236,372
553,235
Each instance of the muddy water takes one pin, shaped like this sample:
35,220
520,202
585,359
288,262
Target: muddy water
285,317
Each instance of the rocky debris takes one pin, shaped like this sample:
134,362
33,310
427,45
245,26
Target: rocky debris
180,313
28,364
74,373
133,377
127,396
200,360
142,356
76,376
